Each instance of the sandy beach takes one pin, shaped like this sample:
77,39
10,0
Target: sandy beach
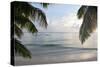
49,48
61,56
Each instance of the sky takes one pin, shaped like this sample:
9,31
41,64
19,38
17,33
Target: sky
60,18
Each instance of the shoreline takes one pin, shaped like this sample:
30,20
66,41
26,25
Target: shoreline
63,57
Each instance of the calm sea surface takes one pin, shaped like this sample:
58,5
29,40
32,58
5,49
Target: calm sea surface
55,47
58,39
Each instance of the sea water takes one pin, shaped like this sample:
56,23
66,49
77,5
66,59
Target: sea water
52,47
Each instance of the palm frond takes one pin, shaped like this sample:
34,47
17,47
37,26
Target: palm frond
24,16
22,8
45,5
21,49
17,31
89,23
24,22
81,11
30,27
21,20
39,16
26,9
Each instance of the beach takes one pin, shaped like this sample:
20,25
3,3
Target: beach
58,56
57,47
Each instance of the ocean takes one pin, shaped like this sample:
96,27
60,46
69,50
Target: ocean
55,47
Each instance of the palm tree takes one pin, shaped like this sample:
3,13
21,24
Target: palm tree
24,16
89,24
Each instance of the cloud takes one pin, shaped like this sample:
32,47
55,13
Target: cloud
67,23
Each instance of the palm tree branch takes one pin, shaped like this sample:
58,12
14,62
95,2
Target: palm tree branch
23,11
24,22
39,16
45,5
29,10
21,49
89,23
17,31
30,27
81,11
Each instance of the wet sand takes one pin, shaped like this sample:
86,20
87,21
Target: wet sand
58,57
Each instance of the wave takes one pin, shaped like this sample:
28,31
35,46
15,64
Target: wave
59,46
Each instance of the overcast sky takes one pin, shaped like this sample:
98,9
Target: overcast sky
60,17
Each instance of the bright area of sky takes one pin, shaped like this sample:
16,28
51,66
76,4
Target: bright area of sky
60,17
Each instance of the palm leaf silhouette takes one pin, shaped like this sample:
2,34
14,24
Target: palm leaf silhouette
21,49
89,24
24,16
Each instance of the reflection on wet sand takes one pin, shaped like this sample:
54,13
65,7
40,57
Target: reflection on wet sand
75,56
